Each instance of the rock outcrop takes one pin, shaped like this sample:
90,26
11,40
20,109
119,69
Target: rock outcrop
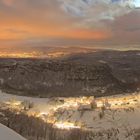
56,78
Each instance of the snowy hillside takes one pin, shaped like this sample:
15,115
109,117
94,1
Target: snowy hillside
8,134
117,116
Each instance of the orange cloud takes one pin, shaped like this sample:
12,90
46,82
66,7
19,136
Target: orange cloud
89,34
20,29
46,19
26,32
46,24
8,2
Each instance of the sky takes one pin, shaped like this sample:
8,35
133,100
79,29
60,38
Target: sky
45,23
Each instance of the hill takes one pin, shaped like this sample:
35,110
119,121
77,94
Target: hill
34,77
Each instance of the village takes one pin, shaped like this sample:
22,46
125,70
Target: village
67,113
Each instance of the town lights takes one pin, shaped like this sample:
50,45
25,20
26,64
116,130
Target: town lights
66,125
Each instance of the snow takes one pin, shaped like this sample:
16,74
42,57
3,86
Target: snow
8,134
6,97
122,112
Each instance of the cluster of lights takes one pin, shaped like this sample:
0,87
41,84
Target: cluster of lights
56,54
66,125
77,102
13,103
74,103
19,55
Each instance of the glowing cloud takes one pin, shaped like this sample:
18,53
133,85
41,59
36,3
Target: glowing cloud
60,20
8,2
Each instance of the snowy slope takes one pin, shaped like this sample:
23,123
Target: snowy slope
122,113
8,134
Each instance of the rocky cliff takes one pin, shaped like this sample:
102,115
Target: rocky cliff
56,78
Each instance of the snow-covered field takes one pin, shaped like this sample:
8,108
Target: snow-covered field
120,112
6,97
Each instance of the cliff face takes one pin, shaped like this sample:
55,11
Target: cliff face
55,78
125,65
